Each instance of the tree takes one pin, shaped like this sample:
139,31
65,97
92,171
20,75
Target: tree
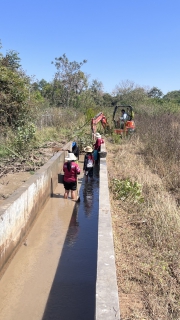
11,60
108,100
173,96
96,86
0,52
14,96
155,93
69,79
43,87
14,91
96,89
129,93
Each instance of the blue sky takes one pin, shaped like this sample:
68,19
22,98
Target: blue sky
135,40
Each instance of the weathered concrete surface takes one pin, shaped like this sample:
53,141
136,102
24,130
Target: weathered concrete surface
19,211
107,301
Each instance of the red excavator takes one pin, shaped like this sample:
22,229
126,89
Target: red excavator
121,127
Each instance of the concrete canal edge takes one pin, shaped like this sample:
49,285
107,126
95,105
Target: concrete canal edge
19,211
107,300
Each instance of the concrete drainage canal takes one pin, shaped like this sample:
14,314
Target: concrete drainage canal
65,269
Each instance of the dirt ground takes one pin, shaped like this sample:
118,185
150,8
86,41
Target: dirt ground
130,294
14,172
11,182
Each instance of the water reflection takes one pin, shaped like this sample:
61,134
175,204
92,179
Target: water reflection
88,197
90,192
73,292
73,228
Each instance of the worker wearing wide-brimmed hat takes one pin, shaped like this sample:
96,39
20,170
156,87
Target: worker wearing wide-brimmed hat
88,162
71,170
97,146
97,135
98,141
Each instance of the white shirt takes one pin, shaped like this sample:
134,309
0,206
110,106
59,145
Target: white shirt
124,116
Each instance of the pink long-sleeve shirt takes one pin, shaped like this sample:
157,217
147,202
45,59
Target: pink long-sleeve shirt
71,176
98,143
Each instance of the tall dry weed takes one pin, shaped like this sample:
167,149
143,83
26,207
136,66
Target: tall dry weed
146,235
160,135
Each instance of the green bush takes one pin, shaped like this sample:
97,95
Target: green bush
24,135
116,138
124,189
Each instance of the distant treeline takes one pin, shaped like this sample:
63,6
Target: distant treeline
21,96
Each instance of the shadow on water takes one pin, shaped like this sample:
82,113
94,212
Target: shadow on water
73,292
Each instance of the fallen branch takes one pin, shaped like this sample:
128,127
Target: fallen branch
13,152
17,155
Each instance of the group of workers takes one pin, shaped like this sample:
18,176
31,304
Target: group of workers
71,168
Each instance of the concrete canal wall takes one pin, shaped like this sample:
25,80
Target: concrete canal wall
19,211
107,300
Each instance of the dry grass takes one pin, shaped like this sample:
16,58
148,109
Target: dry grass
161,147
146,238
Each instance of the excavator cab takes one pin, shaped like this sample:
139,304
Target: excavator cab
126,126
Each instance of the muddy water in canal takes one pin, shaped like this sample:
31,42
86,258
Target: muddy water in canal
53,274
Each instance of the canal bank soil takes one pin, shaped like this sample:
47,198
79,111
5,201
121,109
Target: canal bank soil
15,171
148,272
131,299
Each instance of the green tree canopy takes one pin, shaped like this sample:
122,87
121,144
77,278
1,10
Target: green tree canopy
129,93
11,60
173,96
69,80
108,100
14,95
14,90
96,91
155,93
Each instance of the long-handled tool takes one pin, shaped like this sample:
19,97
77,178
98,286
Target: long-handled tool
78,196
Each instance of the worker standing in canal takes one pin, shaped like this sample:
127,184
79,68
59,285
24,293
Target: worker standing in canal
97,146
71,170
88,162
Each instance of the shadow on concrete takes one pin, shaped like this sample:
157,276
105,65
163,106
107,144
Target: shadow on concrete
57,195
73,292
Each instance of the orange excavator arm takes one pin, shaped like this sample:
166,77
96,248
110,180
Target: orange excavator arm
100,117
